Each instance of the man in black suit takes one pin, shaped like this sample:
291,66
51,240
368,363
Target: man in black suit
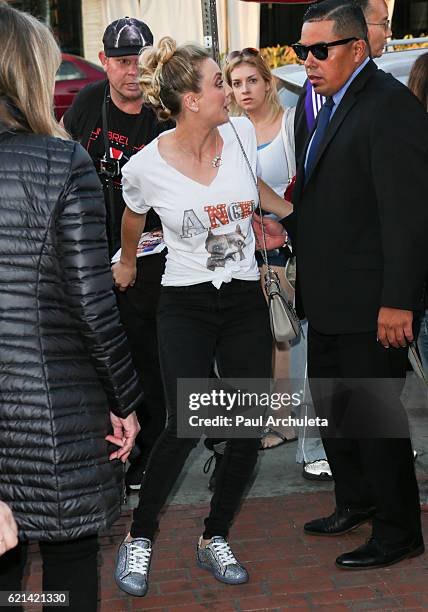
361,220
378,32
310,447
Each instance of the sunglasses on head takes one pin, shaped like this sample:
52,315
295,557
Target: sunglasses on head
319,50
248,51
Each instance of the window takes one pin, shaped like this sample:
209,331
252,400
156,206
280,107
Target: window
68,72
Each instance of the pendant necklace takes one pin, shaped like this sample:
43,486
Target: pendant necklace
215,162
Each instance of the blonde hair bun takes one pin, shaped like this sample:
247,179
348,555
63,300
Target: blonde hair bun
166,49
166,72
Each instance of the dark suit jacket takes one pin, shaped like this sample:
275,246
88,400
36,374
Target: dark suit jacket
362,217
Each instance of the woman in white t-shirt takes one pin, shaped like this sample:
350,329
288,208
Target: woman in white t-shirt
197,179
255,95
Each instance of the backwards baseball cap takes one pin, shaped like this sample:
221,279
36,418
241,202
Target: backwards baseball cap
126,36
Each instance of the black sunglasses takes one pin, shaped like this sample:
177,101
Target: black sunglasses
252,51
319,50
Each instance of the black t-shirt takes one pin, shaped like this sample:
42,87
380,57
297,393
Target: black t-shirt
127,135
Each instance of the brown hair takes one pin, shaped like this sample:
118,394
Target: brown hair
167,72
252,57
418,79
30,59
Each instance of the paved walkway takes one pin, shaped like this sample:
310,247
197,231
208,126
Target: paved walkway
288,569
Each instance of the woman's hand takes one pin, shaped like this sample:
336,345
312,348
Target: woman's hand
124,433
124,275
125,270
8,529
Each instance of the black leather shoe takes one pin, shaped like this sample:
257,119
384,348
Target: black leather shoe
375,554
341,521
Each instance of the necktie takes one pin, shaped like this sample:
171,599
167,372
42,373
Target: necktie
323,120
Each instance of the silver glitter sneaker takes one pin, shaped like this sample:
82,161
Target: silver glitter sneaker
132,566
218,559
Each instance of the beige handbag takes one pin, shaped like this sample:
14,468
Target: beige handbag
284,322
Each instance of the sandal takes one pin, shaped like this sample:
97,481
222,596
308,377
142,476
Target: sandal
274,434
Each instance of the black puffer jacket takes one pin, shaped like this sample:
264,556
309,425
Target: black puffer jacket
64,359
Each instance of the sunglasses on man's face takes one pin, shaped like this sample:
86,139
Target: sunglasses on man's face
319,50
248,51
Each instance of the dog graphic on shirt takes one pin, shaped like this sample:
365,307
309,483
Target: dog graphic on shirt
224,247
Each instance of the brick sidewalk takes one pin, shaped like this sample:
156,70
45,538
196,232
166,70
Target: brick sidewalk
287,568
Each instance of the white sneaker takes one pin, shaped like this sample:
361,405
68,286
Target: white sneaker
317,470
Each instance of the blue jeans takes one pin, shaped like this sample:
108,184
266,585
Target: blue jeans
309,444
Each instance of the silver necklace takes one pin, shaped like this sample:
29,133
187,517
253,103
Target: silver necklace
215,162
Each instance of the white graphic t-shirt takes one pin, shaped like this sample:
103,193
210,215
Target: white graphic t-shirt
207,229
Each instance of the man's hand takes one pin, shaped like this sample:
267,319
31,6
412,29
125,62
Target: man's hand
8,529
394,327
124,275
124,433
276,236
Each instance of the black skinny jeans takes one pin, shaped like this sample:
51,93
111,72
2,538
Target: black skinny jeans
67,566
196,324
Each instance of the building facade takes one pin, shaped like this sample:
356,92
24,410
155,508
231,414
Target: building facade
64,17
79,24
280,24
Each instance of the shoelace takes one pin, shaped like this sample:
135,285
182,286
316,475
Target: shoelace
223,553
139,559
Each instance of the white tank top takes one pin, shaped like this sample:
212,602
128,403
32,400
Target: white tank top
273,166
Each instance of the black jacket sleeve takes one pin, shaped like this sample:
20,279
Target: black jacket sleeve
82,246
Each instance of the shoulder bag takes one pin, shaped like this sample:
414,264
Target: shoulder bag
284,322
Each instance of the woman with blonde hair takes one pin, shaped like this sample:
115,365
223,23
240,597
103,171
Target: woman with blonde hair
203,187
64,356
255,96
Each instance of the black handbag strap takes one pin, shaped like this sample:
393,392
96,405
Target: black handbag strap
111,209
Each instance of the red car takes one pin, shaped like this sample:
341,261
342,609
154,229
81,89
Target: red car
73,74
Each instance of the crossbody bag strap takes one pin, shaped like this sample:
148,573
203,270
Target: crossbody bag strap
264,251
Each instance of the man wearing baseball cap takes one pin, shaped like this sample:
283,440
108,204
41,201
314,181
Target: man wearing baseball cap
110,120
